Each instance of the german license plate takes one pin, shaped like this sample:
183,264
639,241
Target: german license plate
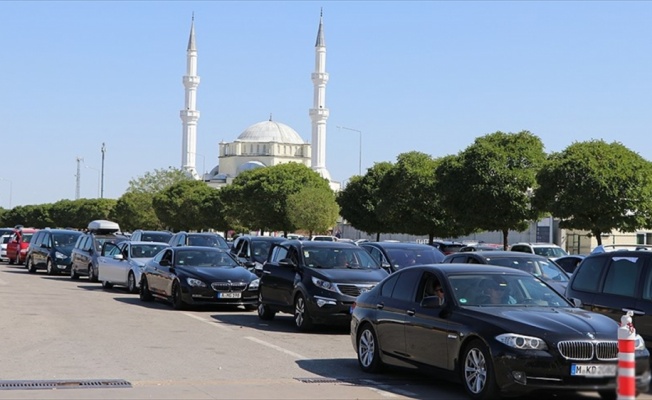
229,295
593,370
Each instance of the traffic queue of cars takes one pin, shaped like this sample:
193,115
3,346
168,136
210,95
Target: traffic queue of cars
496,321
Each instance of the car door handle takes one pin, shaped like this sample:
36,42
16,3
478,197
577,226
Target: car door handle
410,312
380,306
267,272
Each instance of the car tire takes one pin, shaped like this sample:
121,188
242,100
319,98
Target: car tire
73,274
302,317
264,312
49,267
29,264
145,294
11,261
478,372
177,300
131,283
368,350
107,285
92,275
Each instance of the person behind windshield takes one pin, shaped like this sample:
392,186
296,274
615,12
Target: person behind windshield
496,293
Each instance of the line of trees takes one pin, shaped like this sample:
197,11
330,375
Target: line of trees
501,182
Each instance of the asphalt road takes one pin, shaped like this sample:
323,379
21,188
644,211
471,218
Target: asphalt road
64,339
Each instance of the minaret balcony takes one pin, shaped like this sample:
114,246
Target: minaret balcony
321,113
189,115
319,77
190,81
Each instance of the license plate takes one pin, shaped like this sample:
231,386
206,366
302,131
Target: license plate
229,295
593,370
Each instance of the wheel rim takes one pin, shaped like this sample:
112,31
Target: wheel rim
131,283
475,371
49,267
176,294
366,348
299,311
261,307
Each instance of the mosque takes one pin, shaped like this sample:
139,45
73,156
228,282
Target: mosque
265,143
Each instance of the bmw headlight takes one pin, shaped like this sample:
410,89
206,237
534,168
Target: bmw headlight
522,342
195,282
60,256
639,343
254,284
324,284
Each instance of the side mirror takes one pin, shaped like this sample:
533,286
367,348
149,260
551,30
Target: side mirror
577,302
118,257
164,263
44,246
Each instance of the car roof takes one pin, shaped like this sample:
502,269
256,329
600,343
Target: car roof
145,242
455,268
501,253
318,243
537,244
264,238
397,245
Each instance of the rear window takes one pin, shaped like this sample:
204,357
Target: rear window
451,248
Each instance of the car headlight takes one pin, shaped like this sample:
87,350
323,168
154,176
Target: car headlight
639,343
60,256
324,284
254,284
522,342
195,282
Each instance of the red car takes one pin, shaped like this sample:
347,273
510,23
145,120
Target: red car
18,244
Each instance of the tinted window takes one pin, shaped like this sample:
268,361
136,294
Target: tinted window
587,277
279,254
207,240
65,238
406,285
156,237
622,276
38,239
388,286
401,258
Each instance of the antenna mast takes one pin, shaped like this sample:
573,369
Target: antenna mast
78,176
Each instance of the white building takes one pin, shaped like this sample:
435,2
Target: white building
265,143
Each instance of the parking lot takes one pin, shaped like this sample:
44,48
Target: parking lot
73,339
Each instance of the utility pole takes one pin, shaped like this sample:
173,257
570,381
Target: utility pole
102,180
78,176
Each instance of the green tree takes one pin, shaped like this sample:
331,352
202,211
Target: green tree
597,187
186,205
258,198
411,202
157,180
486,186
134,210
64,214
313,209
359,199
92,209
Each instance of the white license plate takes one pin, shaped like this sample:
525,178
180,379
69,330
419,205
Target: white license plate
229,295
595,370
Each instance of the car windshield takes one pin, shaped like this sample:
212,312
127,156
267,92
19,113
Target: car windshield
325,257
401,258
5,239
27,237
146,250
260,250
540,267
204,258
504,290
65,238
550,251
156,237
208,241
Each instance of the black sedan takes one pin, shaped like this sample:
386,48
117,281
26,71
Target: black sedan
194,275
498,330
396,255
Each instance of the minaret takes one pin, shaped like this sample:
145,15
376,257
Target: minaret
319,112
190,115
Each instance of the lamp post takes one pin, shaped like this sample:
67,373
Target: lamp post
10,189
102,190
360,147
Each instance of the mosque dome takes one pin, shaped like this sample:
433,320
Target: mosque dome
250,165
270,131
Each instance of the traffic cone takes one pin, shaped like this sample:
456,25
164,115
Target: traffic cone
626,358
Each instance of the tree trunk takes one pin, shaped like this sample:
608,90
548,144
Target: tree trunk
598,236
378,237
505,238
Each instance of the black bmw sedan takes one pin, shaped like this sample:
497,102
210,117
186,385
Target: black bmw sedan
497,330
194,275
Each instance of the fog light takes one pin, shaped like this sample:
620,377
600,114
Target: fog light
519,377
324,301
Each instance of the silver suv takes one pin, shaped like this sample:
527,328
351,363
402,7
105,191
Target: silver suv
549,250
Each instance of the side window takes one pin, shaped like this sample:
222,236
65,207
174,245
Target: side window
521,249
622,276
79,241
88,242
293,255
279,254
458,259
388,286
235,248
111,249
38,239
244,252
46,239
588,276
376,254
407,284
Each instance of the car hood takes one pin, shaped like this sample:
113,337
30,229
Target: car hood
544,321
349,275
234,274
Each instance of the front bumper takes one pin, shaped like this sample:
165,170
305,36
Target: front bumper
208,296
329,307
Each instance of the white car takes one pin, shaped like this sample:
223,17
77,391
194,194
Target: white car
122,263
549,250
324,238
4,239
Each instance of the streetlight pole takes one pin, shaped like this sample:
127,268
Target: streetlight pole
360,147
102,180
10,189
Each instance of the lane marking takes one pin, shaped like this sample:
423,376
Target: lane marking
275,347
206,321
382,392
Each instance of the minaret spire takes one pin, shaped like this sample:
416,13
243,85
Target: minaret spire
190,115
319,112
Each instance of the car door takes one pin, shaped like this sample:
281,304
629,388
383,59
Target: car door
40,249
108,267
426,331
643,323
397,299
277,279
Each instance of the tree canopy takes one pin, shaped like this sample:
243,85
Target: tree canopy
313,209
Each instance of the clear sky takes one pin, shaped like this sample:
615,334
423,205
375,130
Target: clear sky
427,76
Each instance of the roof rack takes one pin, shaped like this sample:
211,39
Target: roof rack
604,248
